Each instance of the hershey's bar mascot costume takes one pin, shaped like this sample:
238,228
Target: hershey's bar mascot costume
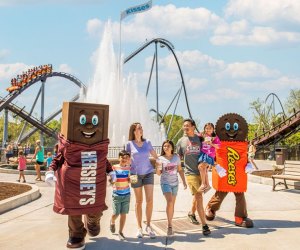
80,169
231,157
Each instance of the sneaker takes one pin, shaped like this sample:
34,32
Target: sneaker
150,232
139,233
93,229
170,231
24,181
193,219
121,236
76,243
112,228
205,230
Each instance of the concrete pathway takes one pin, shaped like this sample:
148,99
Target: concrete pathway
276,217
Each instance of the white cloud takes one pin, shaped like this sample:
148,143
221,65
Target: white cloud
94,27
255,36
4,53
236,27
166,21
244,70
265,11
191,60
273,85
196,83
65,68
227,93
206,96
190,23
8,71
49,2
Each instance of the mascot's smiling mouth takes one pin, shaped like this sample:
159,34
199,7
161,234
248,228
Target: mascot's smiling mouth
231,135
87,134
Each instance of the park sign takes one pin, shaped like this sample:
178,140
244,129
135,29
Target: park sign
136,9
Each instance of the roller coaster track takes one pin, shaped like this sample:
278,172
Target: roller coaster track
35,122
48,119
279,132
170,46
6,102
11,96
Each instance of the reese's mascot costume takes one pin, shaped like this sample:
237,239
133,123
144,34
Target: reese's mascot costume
80,169
231,157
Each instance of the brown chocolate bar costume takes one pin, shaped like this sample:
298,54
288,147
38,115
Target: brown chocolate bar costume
81,165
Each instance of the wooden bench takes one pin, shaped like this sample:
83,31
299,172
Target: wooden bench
291,172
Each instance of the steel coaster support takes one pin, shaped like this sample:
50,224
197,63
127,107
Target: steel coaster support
30,113
5,128
178,92
42,108
156,68
151,71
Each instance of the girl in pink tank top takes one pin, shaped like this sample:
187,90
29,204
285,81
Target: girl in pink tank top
21,165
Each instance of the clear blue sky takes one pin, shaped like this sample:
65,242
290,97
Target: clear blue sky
231,52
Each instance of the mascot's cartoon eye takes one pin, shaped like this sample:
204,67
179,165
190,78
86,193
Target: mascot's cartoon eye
95,120
235,126
227,126
82,119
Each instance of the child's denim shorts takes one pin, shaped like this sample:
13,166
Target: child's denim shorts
166,188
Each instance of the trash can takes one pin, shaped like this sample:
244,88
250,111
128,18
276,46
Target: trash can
260,155
280,155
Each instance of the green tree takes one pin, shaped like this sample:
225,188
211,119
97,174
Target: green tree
261,117
293,101
264,119
175,130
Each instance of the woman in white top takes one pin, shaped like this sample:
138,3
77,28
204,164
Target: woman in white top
168,166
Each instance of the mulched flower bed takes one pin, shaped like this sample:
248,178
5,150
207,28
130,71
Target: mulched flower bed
12,189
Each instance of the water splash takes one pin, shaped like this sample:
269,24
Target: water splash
126,104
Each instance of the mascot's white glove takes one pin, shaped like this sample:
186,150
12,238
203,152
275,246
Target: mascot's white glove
112,176
249,168
221,171
50,178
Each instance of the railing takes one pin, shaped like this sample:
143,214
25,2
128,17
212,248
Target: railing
113,152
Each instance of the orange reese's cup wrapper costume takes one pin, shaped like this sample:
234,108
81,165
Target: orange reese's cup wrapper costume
233,157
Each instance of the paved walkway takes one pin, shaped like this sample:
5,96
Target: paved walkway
276,217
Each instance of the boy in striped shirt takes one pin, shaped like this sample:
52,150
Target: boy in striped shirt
120,179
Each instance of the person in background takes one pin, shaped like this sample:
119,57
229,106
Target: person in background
251,154
121,192
9,152
21,160
188,147
48,160
39,157
168,167
140,149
